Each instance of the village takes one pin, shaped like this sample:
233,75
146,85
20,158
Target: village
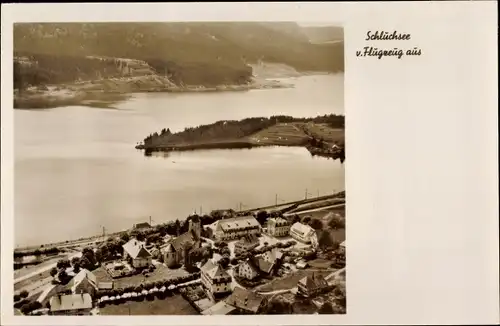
262,262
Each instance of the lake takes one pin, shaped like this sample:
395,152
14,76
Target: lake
76,168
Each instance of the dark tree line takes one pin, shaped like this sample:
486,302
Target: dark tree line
234,129
36,252
57,69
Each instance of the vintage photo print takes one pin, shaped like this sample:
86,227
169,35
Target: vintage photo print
185,163
179,168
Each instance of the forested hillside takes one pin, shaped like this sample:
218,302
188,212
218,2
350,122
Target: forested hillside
194,53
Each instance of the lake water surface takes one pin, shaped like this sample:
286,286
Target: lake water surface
76,168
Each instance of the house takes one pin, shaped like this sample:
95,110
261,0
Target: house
49,292
215,279
246,243
72,304
139,256
312,285
255,266
265,267
84,282
220,308
246,301
272,256
342,248
248,269
278,227
302,232
301,264
236,227
144,225
176,248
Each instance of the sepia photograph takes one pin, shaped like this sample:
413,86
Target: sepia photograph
179,168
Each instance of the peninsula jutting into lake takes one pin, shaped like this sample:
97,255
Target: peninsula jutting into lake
237,206
322,135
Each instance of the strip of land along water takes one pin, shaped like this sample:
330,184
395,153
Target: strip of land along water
322,135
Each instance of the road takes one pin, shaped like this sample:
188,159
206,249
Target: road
330,278
283,205
43,269
315,209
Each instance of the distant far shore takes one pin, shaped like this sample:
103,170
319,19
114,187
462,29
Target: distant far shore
107,92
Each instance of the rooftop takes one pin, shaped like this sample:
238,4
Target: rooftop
239,222
301,229
220,308
143,225
70,302
178,243
135,249
313,281
245,300
249,239
214,270
275,254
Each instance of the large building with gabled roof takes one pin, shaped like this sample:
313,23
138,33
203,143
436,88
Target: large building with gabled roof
176,248
136,251
72,304
236,228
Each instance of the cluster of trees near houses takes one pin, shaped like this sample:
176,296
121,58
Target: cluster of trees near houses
22,302
89,260
234,129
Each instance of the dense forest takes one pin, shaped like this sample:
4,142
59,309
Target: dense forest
233,129
194,53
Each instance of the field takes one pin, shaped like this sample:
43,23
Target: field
286,134
34,283
175,305
323,131
290,281
160,273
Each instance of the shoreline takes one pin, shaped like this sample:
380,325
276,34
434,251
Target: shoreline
102,238
106,93
236,144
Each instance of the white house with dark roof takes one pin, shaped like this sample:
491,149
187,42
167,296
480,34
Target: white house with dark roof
237,227
215,279
301,232
72,304
278,227
136,251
